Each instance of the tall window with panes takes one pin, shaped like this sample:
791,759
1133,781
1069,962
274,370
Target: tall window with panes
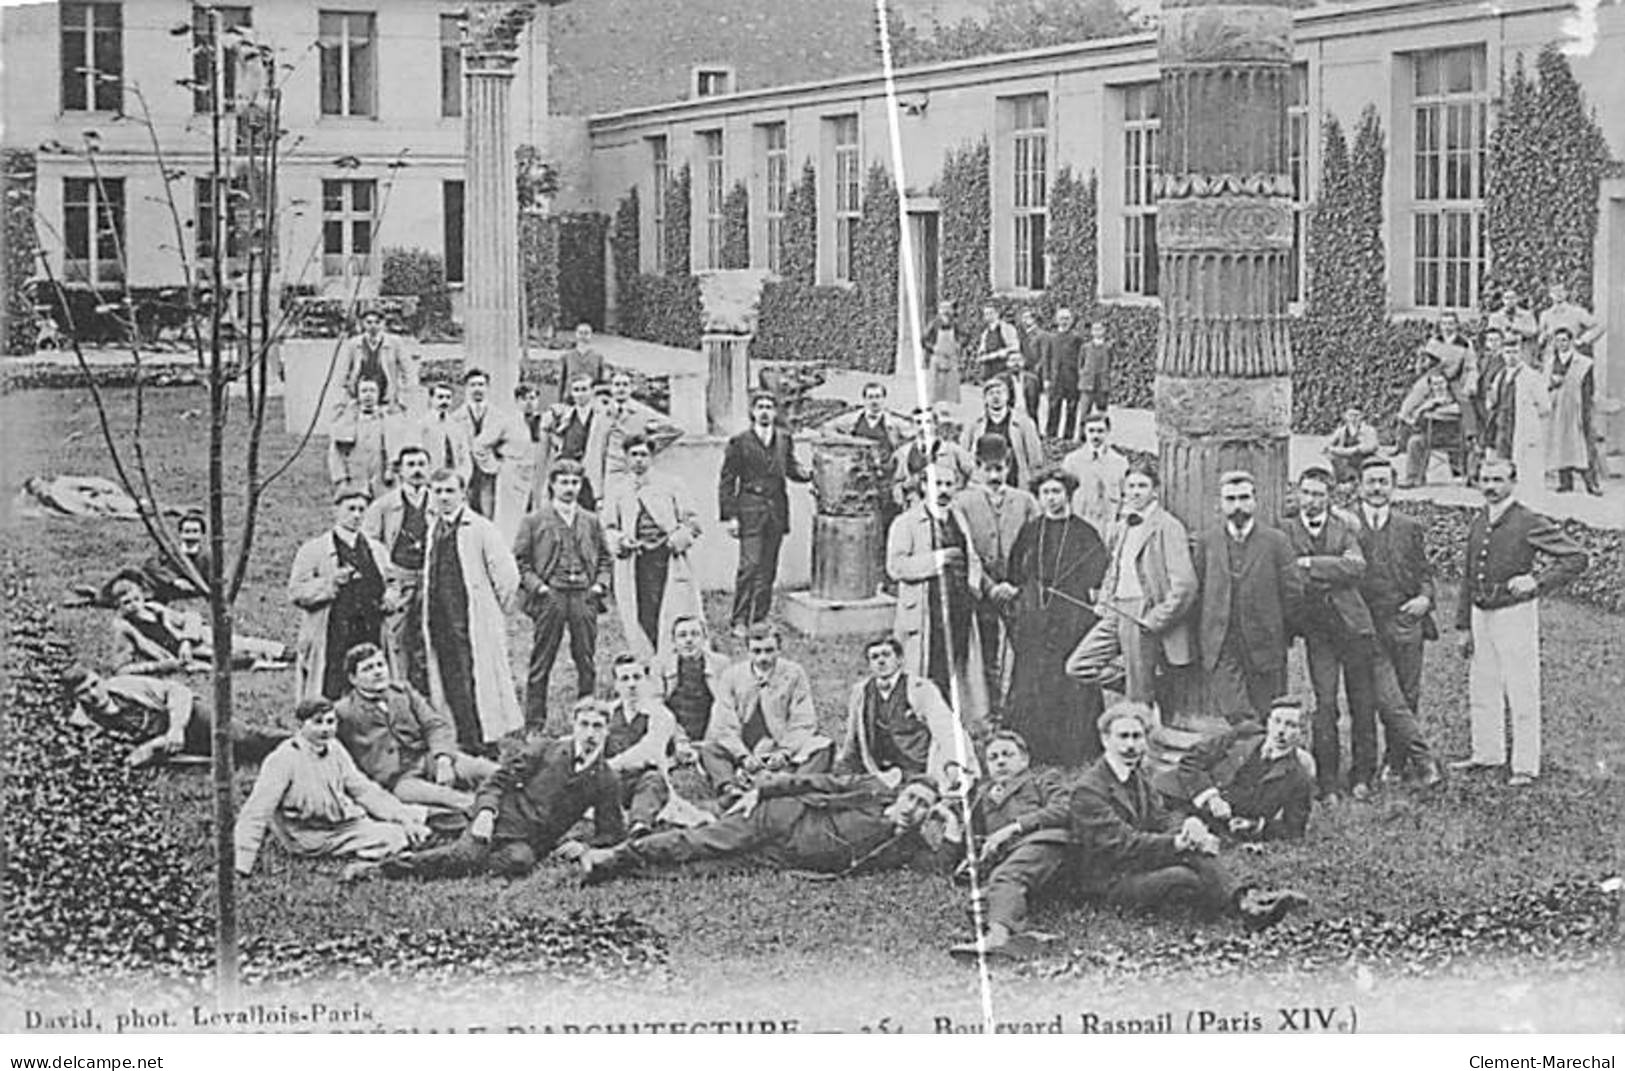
1297,162
349,214
711,143
233,227
349,63
93,230
848,194
203,69
662,183
1449,116
92,56
1141,121
1030,123
775,190
451,66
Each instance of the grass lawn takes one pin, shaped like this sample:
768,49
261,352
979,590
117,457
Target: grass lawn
766,942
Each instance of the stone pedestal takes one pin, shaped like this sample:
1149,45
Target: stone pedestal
815,617
848,557
727,385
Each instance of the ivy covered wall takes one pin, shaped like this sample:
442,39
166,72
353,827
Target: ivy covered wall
21,244
1547,155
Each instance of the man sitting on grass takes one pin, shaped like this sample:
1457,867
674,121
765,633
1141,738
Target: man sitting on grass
160,639
525,809
400,740
1021,839
160,718
1133,854
1249,782
831,824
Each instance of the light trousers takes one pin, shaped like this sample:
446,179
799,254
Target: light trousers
1505,674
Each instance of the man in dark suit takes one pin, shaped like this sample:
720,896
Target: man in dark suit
1335,626
1020,839
1248,782
1498,620
825,823
564,568
1398,590
525,809
754,502
1065,354
1133,854
1251,588
1095,373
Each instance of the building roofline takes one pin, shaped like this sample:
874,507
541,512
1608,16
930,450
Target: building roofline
1326,20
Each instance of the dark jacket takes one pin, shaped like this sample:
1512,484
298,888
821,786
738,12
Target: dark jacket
537,795
752,489
1497,553
835,824
1285,789
1397,569
540,541
1065,360
1267,587
1332,606
1095,368
1026,393
1036,800
391,738
1036,346
1119,828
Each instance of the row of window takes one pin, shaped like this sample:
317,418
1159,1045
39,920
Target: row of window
92,38
94,227
1448,115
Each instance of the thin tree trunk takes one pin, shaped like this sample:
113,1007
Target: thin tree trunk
225,801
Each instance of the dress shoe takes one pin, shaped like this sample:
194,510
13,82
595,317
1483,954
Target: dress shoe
1520,781
1261,909
1428,772
359,870
1360,791
1014,949
1471,766
600,865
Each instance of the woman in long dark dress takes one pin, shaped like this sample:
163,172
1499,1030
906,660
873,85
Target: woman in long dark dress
1057,564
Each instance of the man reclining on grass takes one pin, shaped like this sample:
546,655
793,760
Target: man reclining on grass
525,809
829,824
160,718
1133,854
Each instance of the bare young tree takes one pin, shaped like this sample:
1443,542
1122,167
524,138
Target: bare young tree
233,321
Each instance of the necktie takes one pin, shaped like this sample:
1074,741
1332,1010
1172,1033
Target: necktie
445,438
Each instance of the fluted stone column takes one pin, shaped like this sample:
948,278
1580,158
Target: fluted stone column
491,197
1224,236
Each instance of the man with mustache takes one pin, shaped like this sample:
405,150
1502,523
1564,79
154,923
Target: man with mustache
1498,621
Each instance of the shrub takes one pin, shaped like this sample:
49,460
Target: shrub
801,230
736,227
539,269
419,274
580,273
679,193
21,243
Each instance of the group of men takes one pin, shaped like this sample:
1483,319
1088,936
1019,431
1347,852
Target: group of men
1525,392
1054,376
1017,610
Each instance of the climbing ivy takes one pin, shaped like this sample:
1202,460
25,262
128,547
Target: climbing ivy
21,244
736,227
679,193
1547,155
801,230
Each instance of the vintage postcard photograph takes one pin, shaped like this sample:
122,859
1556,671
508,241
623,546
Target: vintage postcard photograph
745,517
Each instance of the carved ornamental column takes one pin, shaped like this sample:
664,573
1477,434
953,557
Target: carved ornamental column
491,194
1224,238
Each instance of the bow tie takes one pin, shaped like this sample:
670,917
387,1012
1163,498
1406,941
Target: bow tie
1133,519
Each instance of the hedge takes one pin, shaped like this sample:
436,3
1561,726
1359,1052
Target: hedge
679,198
1547,155
419,274
539,269
580,276
736,227
18,172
